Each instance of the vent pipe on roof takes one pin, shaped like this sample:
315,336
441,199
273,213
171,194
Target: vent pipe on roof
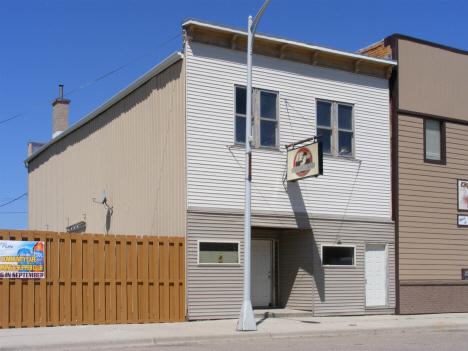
59,114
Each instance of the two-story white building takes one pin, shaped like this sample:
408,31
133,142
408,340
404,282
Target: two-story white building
169,150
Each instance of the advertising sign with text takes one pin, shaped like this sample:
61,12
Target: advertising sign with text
22,259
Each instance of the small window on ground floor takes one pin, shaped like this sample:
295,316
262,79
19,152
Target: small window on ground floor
218,252
465,274
338,255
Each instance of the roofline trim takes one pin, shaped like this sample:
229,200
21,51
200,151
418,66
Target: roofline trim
191,21
426,42
176,56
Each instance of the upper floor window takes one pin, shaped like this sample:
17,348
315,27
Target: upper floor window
336,122
264,117
434,141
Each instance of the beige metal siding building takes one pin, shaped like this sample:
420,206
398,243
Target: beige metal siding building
133,146
429,137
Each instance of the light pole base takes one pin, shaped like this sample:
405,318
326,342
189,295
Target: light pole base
246,319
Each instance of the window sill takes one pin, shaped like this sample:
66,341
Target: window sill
242,146
435,162
219,265
347,158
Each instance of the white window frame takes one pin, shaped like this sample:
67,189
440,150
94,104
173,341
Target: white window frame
337,265
256,118
221,241
335,128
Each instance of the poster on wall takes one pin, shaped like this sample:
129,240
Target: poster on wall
463,195
22,259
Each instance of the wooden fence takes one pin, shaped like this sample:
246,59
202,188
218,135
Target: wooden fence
97,279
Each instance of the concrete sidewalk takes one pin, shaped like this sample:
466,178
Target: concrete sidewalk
114,336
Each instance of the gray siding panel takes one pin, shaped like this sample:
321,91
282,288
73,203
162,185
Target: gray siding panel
213,292
296,270
216,291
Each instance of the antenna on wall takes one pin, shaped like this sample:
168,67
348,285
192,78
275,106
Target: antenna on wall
104,200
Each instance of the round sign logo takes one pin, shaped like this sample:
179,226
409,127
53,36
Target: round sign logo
303,157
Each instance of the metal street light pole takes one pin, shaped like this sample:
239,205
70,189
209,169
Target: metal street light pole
246,319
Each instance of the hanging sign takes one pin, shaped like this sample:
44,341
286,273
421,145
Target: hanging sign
21,259
305,162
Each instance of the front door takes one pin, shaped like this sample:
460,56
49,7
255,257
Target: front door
376,275
260,291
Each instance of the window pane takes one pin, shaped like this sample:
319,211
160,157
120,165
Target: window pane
240,129
241,100
219,253
267,133
326,139
324,114
432,139
345,117
268,105
345,143
338,256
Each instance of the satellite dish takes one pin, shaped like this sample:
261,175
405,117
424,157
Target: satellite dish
104,194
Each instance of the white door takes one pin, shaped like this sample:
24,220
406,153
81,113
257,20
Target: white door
376,275
260,291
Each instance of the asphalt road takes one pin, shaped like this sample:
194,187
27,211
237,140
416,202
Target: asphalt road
427,341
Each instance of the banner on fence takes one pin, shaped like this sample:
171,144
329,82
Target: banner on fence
21,259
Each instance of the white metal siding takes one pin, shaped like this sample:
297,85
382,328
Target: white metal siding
215,172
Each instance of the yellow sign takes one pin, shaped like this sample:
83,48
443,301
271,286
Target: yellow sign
304,162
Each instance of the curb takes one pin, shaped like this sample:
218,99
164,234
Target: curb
145,341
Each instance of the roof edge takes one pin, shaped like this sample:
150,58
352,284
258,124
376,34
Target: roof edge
192,21
176,56
370,46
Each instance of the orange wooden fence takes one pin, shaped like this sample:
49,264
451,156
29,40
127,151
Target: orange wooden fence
97,279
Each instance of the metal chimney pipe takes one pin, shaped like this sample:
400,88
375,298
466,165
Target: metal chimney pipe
61,91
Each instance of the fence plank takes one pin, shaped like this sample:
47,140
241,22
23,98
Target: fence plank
154,277
182,280
144,295
17,292
55,262
165,279
101,280
42,300
30,306
123,278
90,278
134,280
111,276
67,276
5,301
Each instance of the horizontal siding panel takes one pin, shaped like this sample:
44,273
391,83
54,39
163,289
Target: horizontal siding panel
216,292
431,244
211,75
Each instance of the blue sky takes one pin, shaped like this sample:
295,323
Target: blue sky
47,43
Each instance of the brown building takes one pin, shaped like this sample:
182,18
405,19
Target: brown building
429,129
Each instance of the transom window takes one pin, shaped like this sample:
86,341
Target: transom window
336,122
264,117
